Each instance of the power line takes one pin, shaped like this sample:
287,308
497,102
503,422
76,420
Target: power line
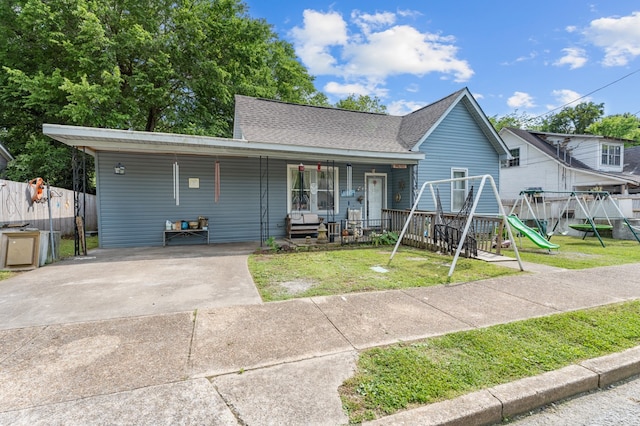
590,93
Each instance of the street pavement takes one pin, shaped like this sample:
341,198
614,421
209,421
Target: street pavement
152,348
616,405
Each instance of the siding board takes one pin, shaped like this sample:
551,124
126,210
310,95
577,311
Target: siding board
133,208
458,142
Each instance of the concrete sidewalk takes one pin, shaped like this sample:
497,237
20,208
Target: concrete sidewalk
277,363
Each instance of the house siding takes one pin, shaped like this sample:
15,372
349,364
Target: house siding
133,208
539,170
536,170
458,143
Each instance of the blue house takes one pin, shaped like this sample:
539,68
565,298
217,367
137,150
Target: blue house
284,159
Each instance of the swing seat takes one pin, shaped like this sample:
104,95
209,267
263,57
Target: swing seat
586,227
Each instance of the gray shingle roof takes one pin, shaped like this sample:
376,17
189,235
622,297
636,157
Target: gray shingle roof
261,120
534,139
416,124
632,160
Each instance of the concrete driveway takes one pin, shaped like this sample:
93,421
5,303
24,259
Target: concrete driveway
117,283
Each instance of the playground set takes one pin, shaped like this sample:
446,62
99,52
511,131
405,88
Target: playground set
587,212
458,233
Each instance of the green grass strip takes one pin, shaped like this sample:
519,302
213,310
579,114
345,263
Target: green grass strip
329,272
406,375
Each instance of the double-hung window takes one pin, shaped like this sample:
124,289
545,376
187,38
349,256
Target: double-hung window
312,189
458,189
611,155
515,159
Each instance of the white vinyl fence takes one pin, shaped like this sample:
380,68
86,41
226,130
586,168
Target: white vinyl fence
17,208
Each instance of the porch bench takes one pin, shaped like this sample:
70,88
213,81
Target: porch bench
303,224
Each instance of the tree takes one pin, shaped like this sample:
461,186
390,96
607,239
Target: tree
514,119
154,65
620,126
362,103
573,119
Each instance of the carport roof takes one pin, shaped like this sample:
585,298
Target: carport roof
112,140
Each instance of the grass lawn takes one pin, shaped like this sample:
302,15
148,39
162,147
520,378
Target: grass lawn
67,245
407,375
576,253
305,274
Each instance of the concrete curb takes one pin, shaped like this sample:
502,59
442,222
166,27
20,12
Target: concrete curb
490,406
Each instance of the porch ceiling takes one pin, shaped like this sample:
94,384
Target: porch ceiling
110,140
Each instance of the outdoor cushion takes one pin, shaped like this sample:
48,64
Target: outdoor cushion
310,218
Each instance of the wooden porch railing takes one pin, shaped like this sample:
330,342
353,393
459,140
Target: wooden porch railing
419,233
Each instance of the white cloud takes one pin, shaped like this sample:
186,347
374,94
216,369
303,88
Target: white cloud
404,50
618,36
571,28
313,42
567,98
374,48
403,107
408,13
412,88
368,22
520,100
573,56
342,90
523,58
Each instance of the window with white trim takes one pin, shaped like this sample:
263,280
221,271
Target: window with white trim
312,189
458,189
611,155
515,159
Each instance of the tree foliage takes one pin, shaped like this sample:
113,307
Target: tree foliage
620,126
573,119
362,103
154,65
514,119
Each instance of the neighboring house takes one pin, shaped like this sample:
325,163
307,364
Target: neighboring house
283,159
5,157
632,165
563,162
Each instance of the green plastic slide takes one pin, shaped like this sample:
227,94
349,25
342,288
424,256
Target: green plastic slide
537,239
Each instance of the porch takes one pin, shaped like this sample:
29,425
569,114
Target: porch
486,232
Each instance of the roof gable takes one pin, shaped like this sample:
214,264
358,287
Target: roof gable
417,126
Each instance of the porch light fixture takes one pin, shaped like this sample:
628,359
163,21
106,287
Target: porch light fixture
119,169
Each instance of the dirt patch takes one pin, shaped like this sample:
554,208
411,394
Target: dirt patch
298,286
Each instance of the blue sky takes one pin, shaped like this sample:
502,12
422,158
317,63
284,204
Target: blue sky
529,57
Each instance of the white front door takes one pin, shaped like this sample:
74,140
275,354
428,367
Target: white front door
376,200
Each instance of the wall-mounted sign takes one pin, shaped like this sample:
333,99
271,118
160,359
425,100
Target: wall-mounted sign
194,182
